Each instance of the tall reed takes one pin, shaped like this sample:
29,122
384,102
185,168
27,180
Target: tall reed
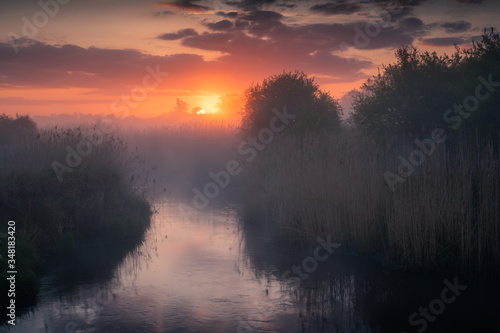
445,215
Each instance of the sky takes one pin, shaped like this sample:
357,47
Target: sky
137,57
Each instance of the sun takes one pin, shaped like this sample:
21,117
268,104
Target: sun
200,112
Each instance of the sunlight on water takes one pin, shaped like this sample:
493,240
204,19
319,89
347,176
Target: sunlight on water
188,276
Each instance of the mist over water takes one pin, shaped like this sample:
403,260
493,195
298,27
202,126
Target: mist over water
210,270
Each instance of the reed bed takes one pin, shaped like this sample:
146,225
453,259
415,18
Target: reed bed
99,196
445,215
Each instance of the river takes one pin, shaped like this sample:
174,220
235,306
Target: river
209,274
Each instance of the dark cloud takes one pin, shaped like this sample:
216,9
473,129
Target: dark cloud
183,5
267,55
411,23
414,26
341,7
39,64
471,1
249,5
262,22
228,14
457,26
240,25
163,13
113,71
179,34
255,43
220,26
208,41
26,101
292,40
407,2
262,16
286,5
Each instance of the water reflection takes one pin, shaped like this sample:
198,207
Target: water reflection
350,293
211,275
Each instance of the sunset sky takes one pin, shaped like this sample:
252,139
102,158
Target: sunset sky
100,56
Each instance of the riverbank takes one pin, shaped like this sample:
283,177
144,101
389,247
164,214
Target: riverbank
64,188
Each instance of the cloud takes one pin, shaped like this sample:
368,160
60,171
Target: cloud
163,13
261,22
250,5
25,101
408,2
457,26
262,16
286,5
341,7
443,41
228,14
66,66
179,34
254,44
183,5
449,41
265,29
411,23
471,1
220,25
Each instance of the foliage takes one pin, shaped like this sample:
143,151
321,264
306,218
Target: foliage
315,110
15,128
412,96
96,201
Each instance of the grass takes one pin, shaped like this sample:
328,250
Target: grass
446,215
98,200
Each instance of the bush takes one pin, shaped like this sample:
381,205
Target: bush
316,111
412,96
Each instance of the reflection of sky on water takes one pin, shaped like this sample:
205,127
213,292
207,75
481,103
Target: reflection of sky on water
213,275
187,276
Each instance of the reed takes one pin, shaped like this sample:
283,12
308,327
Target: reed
444,216
98,200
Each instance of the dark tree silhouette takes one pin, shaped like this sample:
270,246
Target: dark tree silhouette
12,128
315,110
415,94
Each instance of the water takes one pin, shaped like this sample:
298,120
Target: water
210,275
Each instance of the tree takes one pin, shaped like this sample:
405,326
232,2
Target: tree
180,106
314,110
414,94
409,97
483,59
12,129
